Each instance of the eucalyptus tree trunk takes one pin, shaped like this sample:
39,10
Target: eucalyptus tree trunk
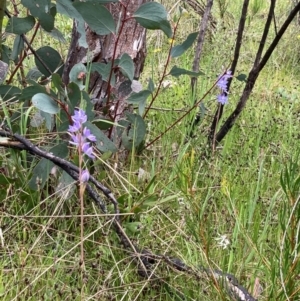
110,101
132,40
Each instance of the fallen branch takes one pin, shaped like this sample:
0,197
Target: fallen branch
144,258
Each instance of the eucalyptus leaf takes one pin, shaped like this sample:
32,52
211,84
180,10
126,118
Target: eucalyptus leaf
5,54
77,75
135,132
45,103
20,25
97,17
57,35
46,21
242,77
65,7
49,120
34,74
50,57
136,98
176,72
126,66
74,95
178,50
139,99
152,15
151,86
29,92
9,93
57,82
65,189
17,48
103,143
41,10
42,169
104,71
37,119
37,6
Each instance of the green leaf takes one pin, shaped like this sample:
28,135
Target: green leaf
97,17
46,21
42,169
149,201
178,50
65,7
17,48
5,180
133,227
151,86
87,105
74,95
29,92
103,124
34,74
5,54
37,6
57,82
152,15
49,120
176,72
50,57
136,98
136,133
20,25
139,98
103,143
41,10
77,75
10,93
126,65
36,119
57,35
45,103
65,189
104,71
242,77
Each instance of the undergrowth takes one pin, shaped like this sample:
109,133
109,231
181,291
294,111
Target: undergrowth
225,210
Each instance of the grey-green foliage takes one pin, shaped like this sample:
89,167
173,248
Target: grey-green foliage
57,102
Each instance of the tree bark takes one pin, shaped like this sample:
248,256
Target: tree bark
132,41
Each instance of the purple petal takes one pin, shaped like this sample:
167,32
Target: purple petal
88,150
76,139
79,116
223,80
223,99
87,134
85,175
75,127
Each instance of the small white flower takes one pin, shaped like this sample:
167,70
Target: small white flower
223,241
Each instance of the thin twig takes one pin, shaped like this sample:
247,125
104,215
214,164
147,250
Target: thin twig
30,47
238,44
228,124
